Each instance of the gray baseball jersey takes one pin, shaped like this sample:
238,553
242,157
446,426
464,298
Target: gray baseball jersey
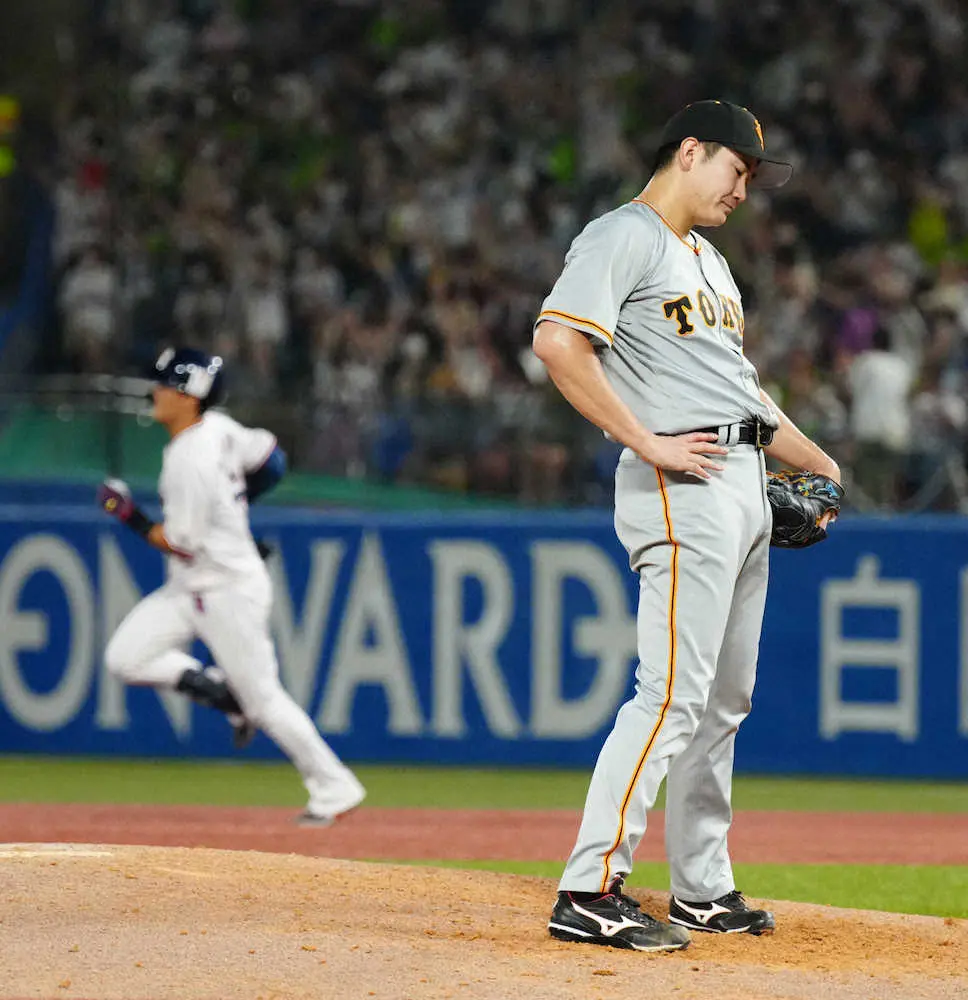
668,317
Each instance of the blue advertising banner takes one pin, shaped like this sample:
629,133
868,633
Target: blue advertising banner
496,639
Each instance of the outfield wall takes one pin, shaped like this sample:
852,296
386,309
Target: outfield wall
497,639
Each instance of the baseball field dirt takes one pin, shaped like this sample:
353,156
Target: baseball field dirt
464,834
93,919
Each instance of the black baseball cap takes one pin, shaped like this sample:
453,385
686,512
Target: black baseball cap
732,126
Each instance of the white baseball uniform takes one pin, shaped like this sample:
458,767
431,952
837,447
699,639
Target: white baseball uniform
218,590
666,315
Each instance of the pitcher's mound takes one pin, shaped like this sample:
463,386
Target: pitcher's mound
120,923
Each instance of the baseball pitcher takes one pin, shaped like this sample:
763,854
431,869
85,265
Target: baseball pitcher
217,588
643,334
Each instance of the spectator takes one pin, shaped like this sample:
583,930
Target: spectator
431,168
200,310
812,403
880,418
317,287
87,301
266,324
939,417
82,217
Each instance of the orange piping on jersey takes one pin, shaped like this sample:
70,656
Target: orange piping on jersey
576,319
670,681
694,248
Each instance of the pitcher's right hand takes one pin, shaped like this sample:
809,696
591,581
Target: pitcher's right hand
689,453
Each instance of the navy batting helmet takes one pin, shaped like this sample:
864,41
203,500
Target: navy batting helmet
192,372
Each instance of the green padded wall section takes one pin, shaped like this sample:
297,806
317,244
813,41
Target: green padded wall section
76,447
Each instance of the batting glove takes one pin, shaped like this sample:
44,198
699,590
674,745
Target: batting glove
114,497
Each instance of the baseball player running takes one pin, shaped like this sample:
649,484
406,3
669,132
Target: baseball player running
217,588
643,334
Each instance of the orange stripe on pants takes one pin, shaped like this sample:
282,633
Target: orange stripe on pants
670,681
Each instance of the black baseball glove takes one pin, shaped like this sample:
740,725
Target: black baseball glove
799,501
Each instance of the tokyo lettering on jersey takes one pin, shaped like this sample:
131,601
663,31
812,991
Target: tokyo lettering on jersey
668,316
204,505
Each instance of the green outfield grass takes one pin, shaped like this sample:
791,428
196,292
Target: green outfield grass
76,779
935,889
938,890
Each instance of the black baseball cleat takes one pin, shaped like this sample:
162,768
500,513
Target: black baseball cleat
615,920
727,915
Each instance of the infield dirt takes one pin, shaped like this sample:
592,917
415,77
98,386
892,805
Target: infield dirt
104,922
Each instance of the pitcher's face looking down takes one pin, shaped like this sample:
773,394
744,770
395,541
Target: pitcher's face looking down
716,182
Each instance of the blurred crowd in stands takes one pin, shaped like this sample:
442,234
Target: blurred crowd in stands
361,204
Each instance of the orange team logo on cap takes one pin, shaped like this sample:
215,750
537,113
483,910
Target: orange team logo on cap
759,132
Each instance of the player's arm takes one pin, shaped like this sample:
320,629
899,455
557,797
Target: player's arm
115,499
263,478
156,537
264,463
576,370
793,448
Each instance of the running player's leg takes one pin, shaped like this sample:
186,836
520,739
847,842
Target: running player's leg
698,793
234,624
684,600
149,646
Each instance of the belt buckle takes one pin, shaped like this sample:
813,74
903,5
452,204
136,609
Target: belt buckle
764,434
